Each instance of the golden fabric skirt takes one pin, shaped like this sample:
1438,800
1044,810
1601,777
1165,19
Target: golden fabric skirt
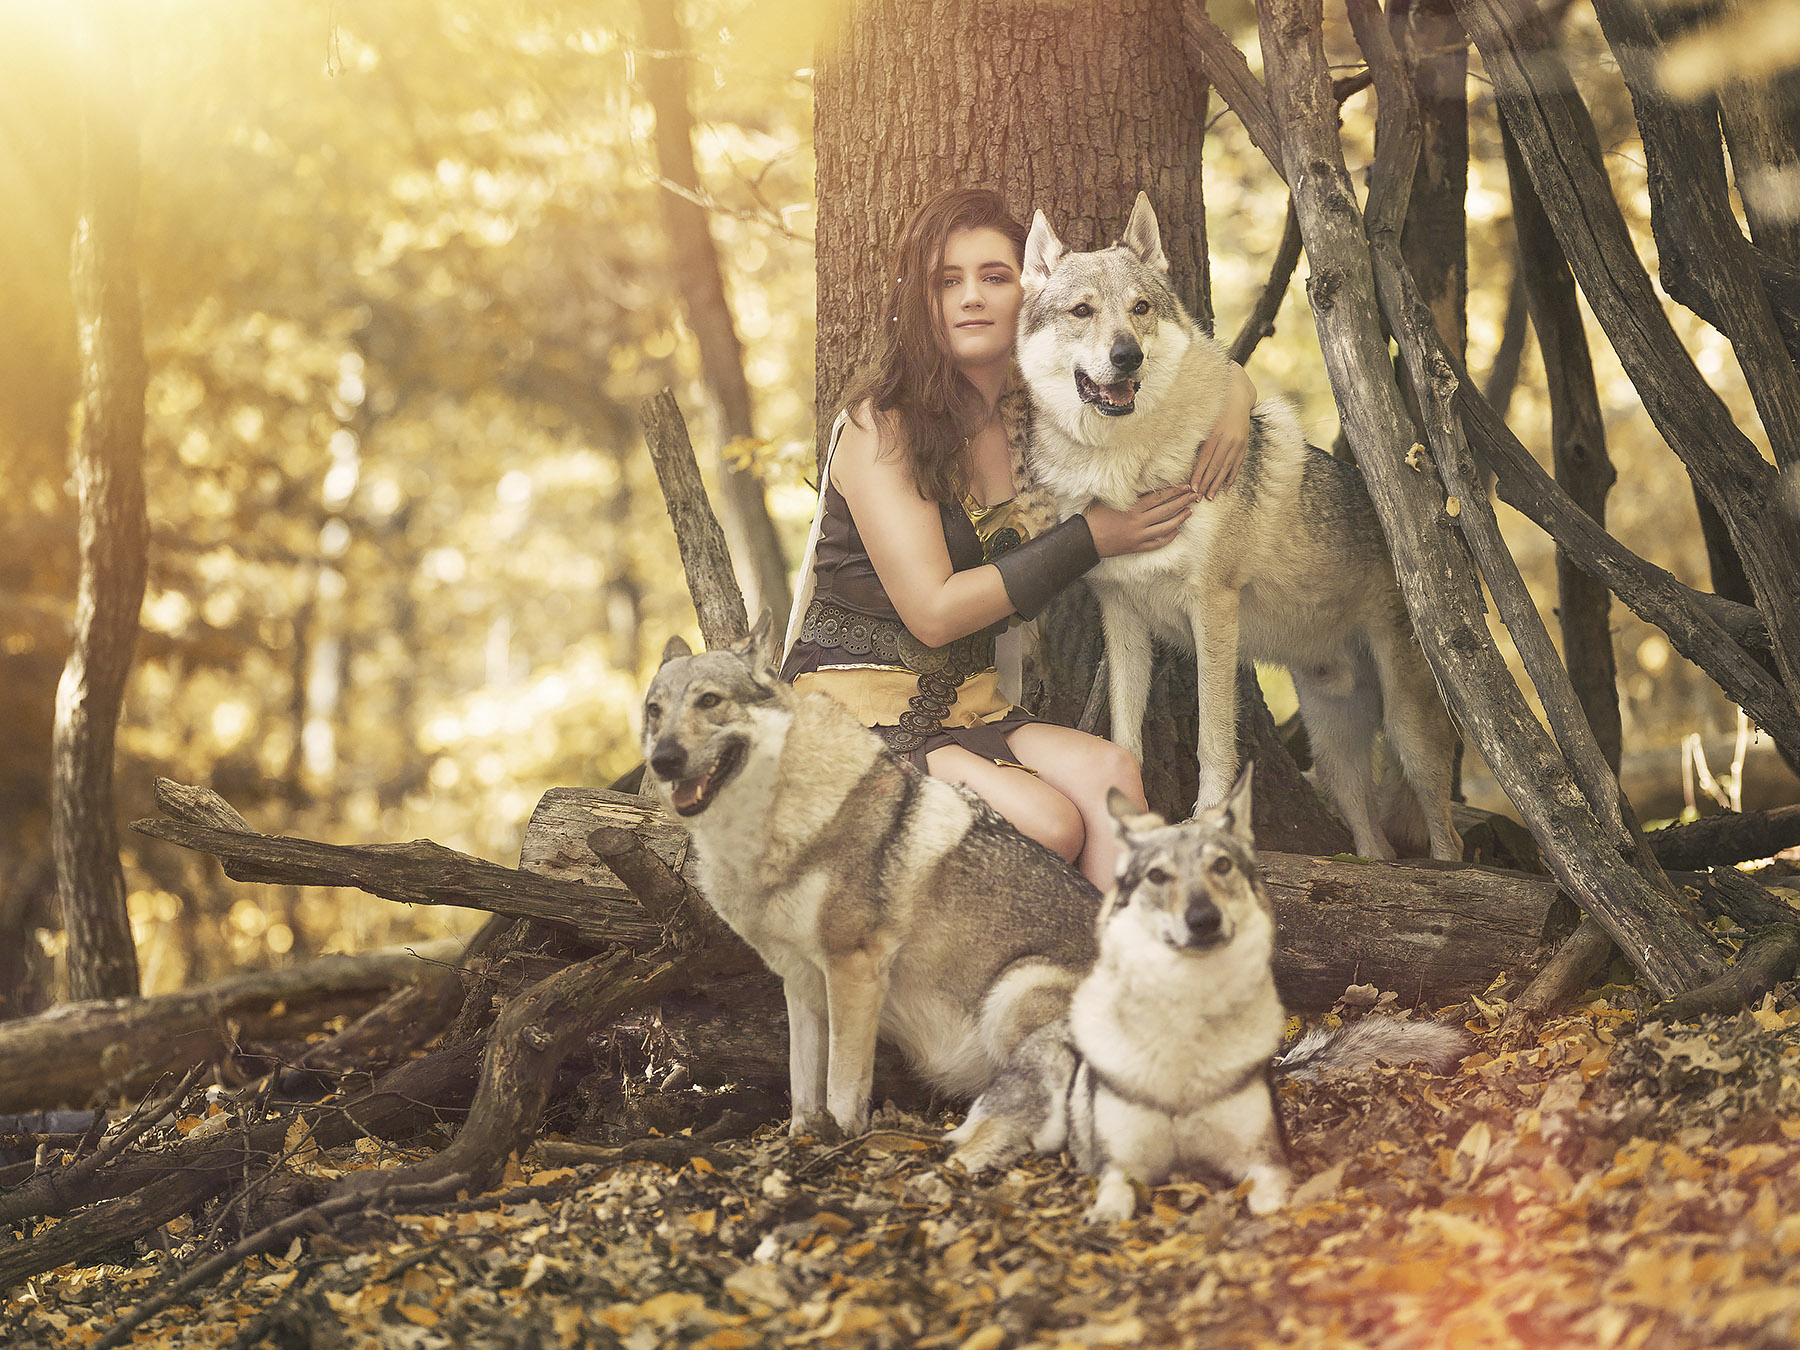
877,695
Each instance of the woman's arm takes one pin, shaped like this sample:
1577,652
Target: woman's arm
905,538
1223,451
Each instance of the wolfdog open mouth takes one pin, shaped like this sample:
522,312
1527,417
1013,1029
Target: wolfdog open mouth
691,796
1112,400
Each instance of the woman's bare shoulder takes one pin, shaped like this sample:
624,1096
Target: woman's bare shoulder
868,441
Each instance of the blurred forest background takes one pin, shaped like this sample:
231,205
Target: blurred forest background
405,278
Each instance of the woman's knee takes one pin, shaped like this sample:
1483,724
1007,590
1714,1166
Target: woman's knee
1056,823
1118,768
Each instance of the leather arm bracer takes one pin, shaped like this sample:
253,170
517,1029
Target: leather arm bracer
1035,571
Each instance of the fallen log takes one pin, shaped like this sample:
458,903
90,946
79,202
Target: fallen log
1729,837
78,1052
1429,931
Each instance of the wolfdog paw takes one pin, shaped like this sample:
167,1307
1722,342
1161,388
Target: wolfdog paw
988,1146
819,1126
1114,1202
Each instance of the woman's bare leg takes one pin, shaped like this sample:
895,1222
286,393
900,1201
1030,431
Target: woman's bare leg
1037,809
1083,769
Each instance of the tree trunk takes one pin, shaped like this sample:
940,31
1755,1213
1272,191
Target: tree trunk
1060,112
1578,443
754,544
109,476
1054,108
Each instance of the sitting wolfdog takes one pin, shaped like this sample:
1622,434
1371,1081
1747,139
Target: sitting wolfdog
885,900
1289,565
1166,1060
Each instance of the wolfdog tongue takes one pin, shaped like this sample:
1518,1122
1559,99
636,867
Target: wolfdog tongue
686,794
1122,392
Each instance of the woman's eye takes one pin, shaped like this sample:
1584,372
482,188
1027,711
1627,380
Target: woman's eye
1083,310
998,279
1141,307
708,701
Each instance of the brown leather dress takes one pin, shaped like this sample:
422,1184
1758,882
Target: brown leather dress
850,622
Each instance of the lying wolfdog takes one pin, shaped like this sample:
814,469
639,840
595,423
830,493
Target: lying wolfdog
886,901
1166,1062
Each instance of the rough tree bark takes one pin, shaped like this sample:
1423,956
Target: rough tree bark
1545,113
109,477
1578,450
1434,239
1058,112
696,258
1580,842
85,1050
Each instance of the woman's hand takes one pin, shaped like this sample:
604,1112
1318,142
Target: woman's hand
1223,451
1148,525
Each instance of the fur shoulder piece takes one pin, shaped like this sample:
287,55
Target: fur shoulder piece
1035,511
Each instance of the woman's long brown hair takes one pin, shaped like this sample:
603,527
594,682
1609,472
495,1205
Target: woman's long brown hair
914,379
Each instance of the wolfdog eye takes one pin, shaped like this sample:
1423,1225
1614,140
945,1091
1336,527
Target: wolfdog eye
1157,877
708,701
1141,307
1083,310
652,711
1221,865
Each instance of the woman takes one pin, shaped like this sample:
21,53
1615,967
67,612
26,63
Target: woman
924,551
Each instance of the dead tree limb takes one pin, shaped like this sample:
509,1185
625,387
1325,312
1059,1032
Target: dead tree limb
1260,322
1578,450
664,63
1539,101
1669,949
1708,630
1704,260
704,555
83,1050
1727,838
416,873
1570,970
1767,959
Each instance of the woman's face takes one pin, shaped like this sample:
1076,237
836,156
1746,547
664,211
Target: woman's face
979,296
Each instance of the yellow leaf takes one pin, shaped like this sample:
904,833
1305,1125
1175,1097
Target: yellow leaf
990,1337
1472,1153
704,1221
417,1313
702,1166
552,1176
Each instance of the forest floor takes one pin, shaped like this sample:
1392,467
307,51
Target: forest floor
1613,1184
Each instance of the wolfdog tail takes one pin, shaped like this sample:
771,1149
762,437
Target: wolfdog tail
1387,1040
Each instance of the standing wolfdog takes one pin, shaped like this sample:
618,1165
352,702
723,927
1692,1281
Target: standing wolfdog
886,901
1289,565
1166,1060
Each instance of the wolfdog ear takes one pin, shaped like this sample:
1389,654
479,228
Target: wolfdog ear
1234,811
1143,238
758,647
1042,250
675,647
1127,817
